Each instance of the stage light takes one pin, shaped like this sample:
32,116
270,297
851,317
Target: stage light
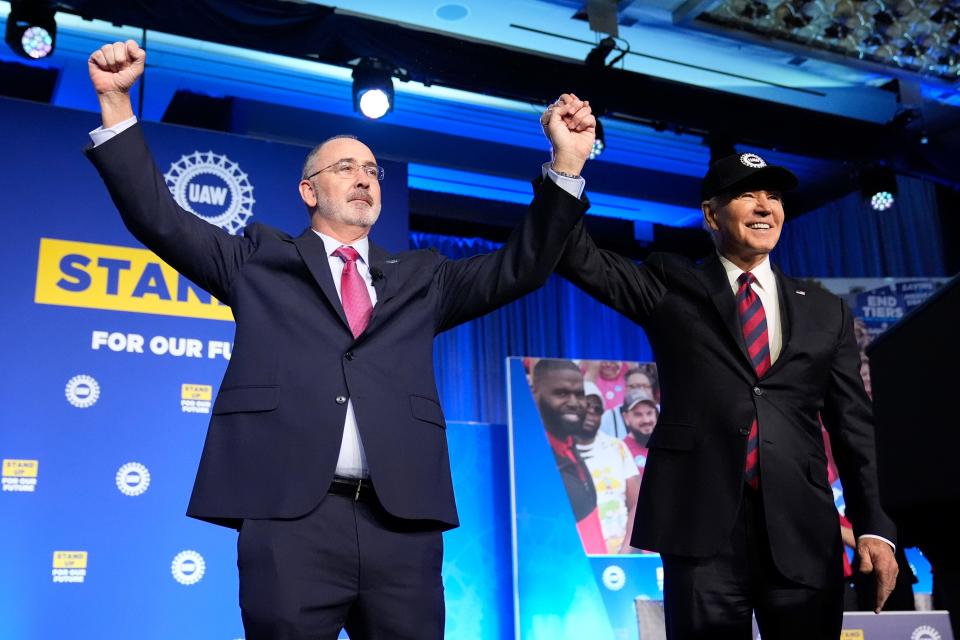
881,200
373,88
599,143
597,58
31,31
879,187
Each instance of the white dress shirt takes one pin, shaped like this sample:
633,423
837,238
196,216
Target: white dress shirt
765,286
352,462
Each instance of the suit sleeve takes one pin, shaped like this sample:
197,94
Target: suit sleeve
474,286
200,251
849,420
631,288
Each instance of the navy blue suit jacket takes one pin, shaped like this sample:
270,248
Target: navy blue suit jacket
275,433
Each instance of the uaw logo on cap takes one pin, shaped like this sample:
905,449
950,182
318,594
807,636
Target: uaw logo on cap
212,187
20,475
69,566
925,632
82,391
753,161
133,479
188,567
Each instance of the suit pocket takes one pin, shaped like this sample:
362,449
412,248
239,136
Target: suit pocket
427,410
247,399
817,473
675,437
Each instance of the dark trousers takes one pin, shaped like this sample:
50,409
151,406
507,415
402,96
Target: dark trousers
713,598
346,565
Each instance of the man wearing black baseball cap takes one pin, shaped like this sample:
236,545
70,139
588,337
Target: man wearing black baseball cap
735,494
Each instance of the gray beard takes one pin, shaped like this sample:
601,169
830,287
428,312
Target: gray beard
346,214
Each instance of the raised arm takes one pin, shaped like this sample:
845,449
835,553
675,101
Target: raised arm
632,288
478,285
202,252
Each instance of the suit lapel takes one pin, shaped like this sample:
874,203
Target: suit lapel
787,294
714,278
383,271
314,255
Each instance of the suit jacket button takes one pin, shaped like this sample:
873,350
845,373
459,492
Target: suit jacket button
744,431
348,355
341,399
757,391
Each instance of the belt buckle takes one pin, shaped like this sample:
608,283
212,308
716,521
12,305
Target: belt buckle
356,496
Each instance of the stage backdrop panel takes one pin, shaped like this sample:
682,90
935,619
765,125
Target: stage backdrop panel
112,364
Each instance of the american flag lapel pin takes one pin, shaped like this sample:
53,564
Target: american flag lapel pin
800,292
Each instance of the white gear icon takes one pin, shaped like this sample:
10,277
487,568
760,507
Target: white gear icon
133,479
925,632
235,216
188,567
82,391
752,160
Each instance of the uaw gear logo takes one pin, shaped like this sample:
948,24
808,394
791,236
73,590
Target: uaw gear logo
753,161
82,391
925,632
212,187
133,479
614,578
188,567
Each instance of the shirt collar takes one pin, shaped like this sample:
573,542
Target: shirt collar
332,244
763,272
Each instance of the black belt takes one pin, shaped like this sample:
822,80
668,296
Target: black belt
357,489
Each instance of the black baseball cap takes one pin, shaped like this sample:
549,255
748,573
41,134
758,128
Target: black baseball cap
745,170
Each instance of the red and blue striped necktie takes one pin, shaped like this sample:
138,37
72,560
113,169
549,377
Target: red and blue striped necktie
753,322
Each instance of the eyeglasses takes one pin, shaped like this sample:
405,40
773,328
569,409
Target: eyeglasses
595,409
349,168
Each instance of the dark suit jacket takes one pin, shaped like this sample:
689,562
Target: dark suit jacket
710,394
277,423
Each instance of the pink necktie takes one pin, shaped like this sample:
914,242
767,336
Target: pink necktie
753,322
353,291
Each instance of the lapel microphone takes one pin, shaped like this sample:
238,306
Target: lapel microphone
376,274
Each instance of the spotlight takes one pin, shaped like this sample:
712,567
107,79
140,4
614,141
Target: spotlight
31,31
599,143
373,88
879,187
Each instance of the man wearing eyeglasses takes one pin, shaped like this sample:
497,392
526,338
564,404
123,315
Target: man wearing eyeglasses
331,379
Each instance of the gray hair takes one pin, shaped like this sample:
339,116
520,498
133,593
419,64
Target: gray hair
312,156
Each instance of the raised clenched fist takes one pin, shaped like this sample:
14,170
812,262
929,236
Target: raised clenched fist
114,68
570,126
